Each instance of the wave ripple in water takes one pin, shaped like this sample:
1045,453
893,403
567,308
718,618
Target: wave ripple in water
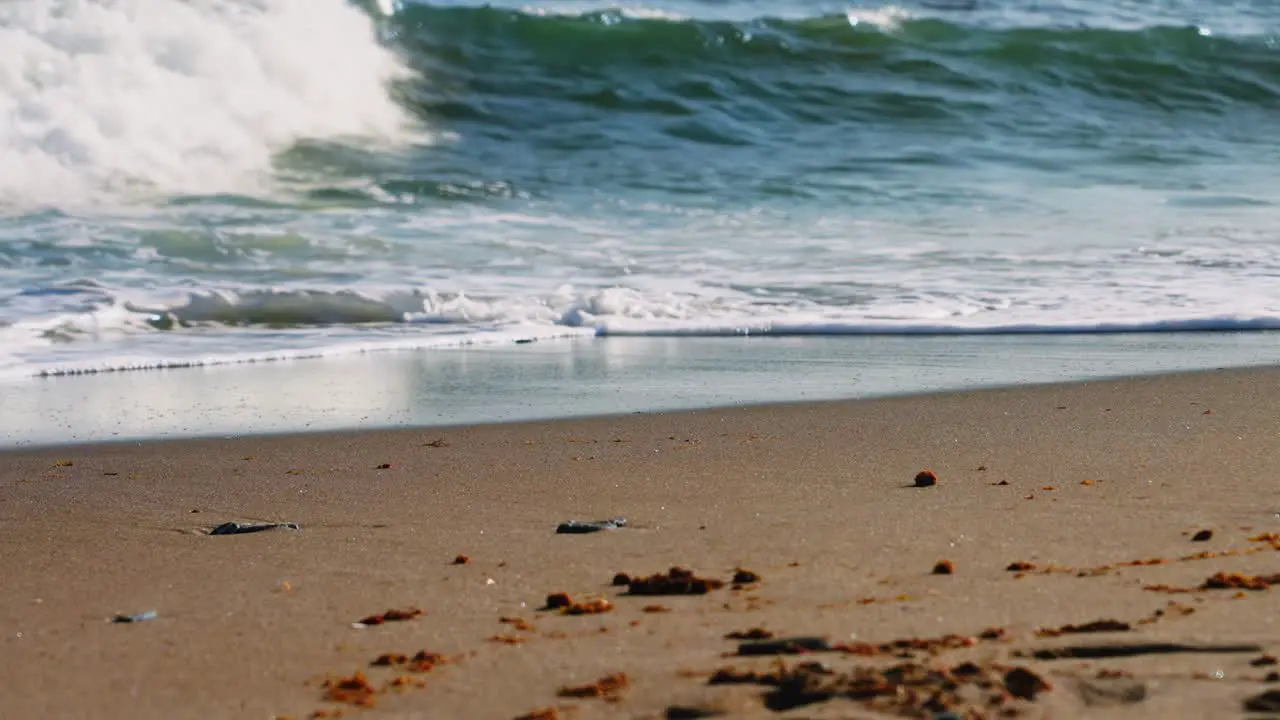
220,181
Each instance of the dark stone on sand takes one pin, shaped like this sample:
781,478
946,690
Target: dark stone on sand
235,528
581,527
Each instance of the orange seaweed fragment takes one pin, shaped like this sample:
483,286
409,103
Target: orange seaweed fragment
1226,581
591,606
391,616
1205,555
517,623
608,687
354,690
676,581
425,661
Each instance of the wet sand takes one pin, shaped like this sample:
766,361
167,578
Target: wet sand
1078,481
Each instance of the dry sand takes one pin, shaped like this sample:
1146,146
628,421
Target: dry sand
817,499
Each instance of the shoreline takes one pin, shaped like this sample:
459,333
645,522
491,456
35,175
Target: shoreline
600,377
785,406
1099,487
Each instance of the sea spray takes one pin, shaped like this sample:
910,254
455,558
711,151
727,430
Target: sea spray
104,102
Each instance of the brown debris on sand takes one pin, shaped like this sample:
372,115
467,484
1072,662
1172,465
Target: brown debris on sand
1024,684
906,689
752,634
389,659
905,647
676,581
944,567
540,714
568,606
609,687
1239,581
590,606
1202,536
556,601
798,645
421,662
424,661
925,478
353,690
992,633
1089,627
390,616
461,560
517,623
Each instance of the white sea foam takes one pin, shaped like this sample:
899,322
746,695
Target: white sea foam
201,330
889,17
608,11
104,101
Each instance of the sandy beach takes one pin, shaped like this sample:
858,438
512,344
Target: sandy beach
1150,503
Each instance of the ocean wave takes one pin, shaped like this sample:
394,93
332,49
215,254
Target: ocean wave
114,102
858,38
14,366
225,327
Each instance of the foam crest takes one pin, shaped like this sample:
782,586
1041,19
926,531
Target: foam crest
885,18
107,101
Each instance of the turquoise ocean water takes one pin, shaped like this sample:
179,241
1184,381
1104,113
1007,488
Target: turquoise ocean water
205,182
